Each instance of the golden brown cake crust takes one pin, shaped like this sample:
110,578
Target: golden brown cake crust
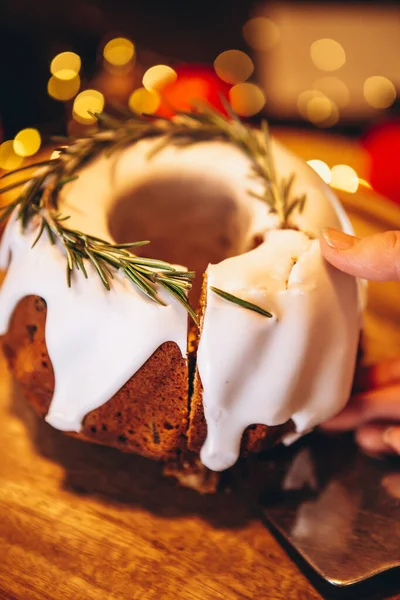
148,415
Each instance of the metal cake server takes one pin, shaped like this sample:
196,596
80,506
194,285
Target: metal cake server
338,509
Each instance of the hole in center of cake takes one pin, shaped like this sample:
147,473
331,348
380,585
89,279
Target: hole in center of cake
190,221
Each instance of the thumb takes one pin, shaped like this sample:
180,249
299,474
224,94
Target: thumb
375,257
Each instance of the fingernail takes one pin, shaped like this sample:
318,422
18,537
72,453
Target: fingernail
339,240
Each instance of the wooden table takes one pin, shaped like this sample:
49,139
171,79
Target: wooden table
82,522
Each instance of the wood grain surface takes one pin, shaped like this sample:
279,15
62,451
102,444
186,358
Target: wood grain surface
82,522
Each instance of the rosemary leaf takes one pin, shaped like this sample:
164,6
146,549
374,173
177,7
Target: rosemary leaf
126,245
32,166
134,277
49,232
98,268
63,182
14,185
181,297
69,258
81,264
61,139
291,209
145,282
302,202
39,235
69,272
240,302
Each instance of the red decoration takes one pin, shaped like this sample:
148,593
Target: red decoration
383,146
194,82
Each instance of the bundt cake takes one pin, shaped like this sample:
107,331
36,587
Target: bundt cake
115,357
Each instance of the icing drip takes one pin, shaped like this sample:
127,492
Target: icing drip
297,365
96,338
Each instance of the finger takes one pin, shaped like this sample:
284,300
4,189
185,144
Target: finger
376,257
379,375
371,440
380,403
391,483
392,437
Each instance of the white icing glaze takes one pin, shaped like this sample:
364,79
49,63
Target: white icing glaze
97,339
297,365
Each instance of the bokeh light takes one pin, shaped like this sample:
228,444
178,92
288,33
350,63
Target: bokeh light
246,99
157,77
364,183
327,54
88,100
65,65
233,66
322,111
195,83
9,159
344,178
320,167
27,142
119,51
335,89
316,107
143,101
304,98
63,89
382,142
379,91
319,109
261,33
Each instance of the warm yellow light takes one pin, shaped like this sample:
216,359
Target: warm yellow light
320,167
246,99
233,66
27,142
344,178
88,101
327,54
319,109
332,119
364,183
157,77
334,88
9,160
63,89
143,101
379,91
304,98
119,51
65,65
261,33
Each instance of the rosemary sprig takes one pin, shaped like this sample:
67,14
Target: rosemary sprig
241,302
145,273
39,197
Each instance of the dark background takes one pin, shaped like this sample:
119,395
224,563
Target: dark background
32,32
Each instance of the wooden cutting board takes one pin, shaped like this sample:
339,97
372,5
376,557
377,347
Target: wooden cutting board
83,522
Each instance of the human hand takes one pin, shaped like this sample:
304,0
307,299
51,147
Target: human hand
374,411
